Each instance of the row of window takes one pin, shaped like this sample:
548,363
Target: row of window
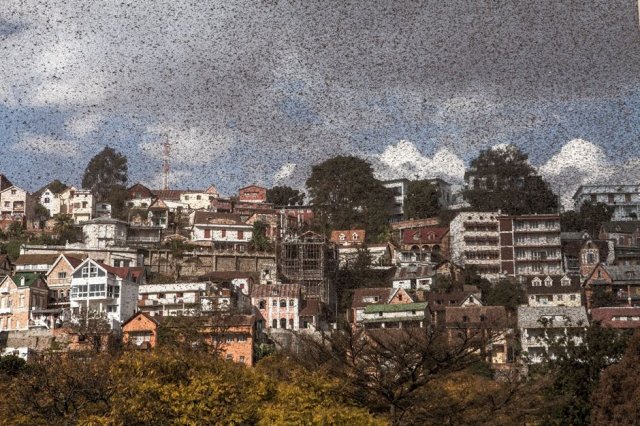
262,304
95,290
223,234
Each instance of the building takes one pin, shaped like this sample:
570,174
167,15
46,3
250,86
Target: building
530,245
363,297
414,277
553,290
21,296
428,244
224,231
277,306
541,324
398,315
79,203
173,298
580,253
199,199
347,238
232,336
439,302
486,327
16,204
623,281
381,255
252,194
475,241
625,236
103,291
50,201
399,188
6,265
625,199
35,262
59,278
105,232
140,196
621,317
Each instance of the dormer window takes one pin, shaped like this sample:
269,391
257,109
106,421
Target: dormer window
536,282
355,236
629,274
565,281
341,237
548,282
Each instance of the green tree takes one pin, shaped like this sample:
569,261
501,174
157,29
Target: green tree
502,179
56,186
16,230
346,195
63,228
285,196
570,221
259,240
505,293
594,215
422,200
106,176
601,297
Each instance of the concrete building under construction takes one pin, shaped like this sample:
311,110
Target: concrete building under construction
310,260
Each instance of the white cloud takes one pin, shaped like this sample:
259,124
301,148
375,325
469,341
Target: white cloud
579,162
285,172
404,160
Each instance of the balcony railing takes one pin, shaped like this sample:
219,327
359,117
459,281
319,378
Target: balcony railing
5,310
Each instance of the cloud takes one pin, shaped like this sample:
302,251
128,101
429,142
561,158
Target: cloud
404,160
39,144
285,172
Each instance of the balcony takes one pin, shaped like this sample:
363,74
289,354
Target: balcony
5,311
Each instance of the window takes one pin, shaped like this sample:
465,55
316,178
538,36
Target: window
355,236
292,302
186,197
465,318
161,296
240,235
594,198
262,304
13,192
229,357
572,297
548,282
21,305
207,233
62,275
112,308
274,323
198,197
291,323
565,281
610,198
536,282
223,233
89,270
627,198
629,274
591,258
341,237
242,338
7,204
283,323
47,200
274,303
241,360
283,303
229,338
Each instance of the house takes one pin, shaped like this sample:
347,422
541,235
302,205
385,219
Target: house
104,291
140,196
20,296
199,199
277,306
621,280
485,327
438,303
105,232
232,336
625,199
553,290
224,231
16,204
475,241
353,237
621,317
399,315
79,203
625,235
365,297
540,325
253,194
59,280
581,253
380,255
399,188
424,244
35,262
414,277
103,209
173,298
50,201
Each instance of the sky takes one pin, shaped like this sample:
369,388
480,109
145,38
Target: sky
258,92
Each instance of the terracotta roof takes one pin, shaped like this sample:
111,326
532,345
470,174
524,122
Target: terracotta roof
227,275
156,319
169,194
476,315
139,188
312,307
605,316
277,290
382,293
424,235
348,236
202,217
122,272
556,286
36,259
439,301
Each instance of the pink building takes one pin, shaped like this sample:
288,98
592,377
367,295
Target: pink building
277,306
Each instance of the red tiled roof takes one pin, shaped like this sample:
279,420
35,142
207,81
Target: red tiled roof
312,307
605,316
439,301
424,235
202,217
359,294
169,194
348,236
277,290
494,315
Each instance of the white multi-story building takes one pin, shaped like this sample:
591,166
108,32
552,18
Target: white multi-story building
17,204
625,199
223,230
553,290
103,291
475,240
79,203
50,201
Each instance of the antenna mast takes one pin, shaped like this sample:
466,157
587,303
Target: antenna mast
165,164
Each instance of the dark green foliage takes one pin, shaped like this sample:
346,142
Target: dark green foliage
16,230
56,186
345,195
11,365
64,230
259,240
601,297
590,218
42,213
576,369
285,196
505,293
106,176
502,179
422,200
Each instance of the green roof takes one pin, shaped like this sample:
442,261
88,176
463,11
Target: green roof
29,278
402,307
393,319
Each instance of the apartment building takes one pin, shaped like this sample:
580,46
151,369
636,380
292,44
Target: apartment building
530,245
625,199
475,241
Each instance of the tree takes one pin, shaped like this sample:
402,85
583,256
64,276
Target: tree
505,293
594,215
501,178
285,196
63,228
601,297
346,195
422,200
56,186
106,176
615,399
259,240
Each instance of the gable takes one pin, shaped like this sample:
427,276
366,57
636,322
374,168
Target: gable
399,296
7,284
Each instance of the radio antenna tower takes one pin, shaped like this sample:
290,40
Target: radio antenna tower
165,164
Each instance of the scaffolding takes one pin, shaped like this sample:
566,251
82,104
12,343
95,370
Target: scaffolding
308,259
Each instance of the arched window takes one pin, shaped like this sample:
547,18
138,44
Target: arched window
274,323
283,323
291,323
262,304
292,302
283,303
548,282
